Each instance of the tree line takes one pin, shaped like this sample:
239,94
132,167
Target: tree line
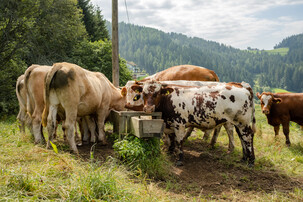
48,31
155,50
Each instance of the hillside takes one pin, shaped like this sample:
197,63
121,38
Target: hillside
155,50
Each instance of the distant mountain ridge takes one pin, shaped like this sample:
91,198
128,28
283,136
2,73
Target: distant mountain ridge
155,50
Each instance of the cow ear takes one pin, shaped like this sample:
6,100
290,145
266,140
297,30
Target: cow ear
123,91
258,95
166,91
136,88
277,100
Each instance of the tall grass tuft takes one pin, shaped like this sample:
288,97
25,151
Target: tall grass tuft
143,156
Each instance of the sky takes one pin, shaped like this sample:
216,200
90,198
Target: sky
258,24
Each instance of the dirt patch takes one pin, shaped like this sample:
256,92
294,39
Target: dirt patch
212,172
204,172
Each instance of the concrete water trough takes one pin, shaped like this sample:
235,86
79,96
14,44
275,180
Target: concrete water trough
139,124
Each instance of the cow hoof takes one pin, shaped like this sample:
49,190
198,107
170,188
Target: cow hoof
251,165
179,163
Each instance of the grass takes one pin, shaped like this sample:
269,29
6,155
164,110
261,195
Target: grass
279,90
30,172
281,51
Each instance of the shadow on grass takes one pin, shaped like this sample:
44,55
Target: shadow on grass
213,172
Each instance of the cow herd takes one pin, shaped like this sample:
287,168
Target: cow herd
188,97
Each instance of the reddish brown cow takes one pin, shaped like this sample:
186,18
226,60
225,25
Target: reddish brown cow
184,72
281,108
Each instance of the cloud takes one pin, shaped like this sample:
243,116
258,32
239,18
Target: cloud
241,23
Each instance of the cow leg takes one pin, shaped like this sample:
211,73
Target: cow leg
84,130
69,125
90,121
21,118
246,136
51,124
206,134
286,132
102,114
230,132
37,129
215,136
188,132
277,128
179,139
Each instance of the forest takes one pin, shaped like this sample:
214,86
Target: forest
49,31
155,50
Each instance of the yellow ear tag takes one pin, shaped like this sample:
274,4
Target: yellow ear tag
136,91
135,98
167,92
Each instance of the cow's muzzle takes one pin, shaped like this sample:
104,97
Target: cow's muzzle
149,109
265,111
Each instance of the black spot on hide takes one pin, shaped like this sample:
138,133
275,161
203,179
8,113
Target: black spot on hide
232,98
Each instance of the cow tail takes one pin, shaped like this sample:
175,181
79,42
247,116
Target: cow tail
48,79
18,89
253,119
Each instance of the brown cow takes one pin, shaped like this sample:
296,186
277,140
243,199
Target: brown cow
34,85
281,108
78,92
184,72
22,117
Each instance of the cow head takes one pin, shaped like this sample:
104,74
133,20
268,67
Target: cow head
152,93
134,99
267,100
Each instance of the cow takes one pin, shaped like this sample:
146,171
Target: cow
34,86
184,72
22,117
180,72
176,73
281,108
78,93
167,140
204,107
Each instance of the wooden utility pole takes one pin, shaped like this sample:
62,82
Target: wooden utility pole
115,43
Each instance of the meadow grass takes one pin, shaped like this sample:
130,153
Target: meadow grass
281,51
30,172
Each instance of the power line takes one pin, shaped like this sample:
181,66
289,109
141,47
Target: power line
131,33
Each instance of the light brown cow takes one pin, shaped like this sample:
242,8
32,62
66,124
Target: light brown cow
78,93
34,85
22,117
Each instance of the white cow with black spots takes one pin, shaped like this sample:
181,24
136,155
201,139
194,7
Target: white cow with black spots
203,107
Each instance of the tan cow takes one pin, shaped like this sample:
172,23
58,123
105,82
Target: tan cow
78,93
22,117
34,86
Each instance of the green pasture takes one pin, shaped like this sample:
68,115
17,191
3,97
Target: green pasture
30,172
281,51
